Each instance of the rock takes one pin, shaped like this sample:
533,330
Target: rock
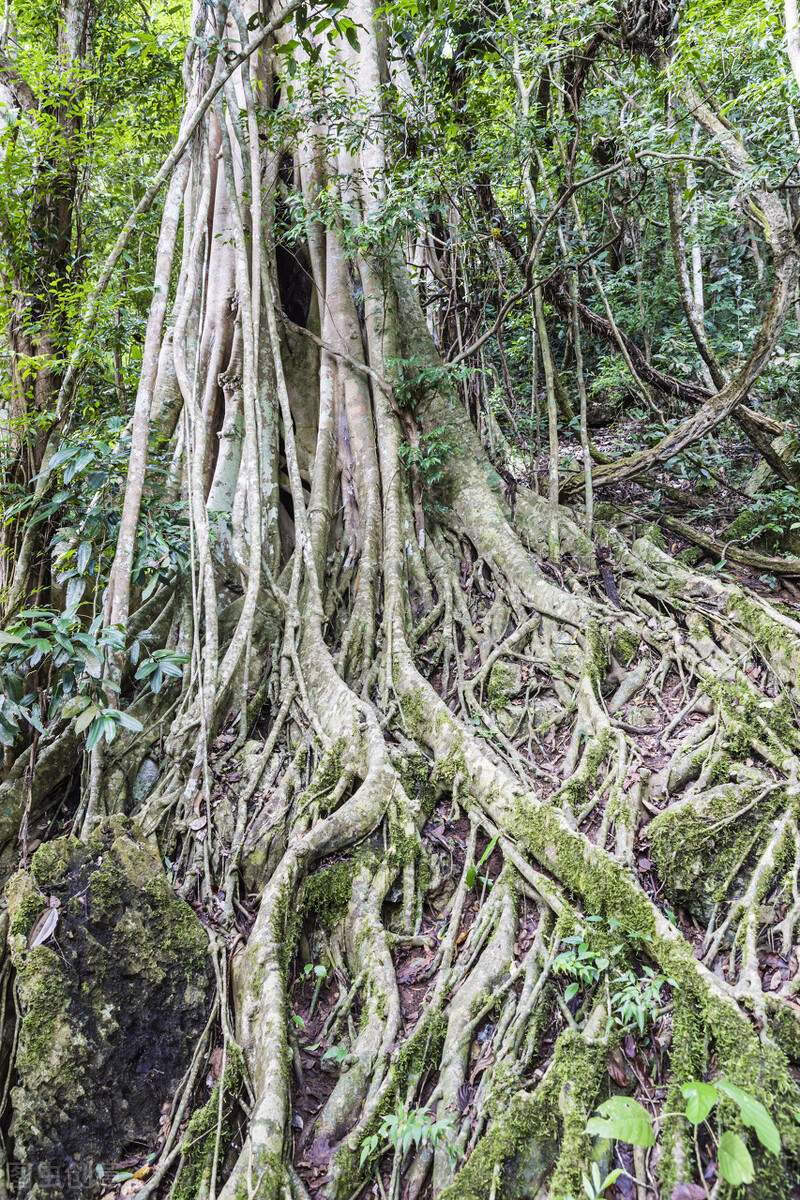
643,716
112,1001
505,681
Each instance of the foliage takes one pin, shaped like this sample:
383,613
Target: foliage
429,455
625,1120
407,1127
48,654
635,996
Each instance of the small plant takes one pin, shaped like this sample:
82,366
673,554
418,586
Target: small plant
405,1128
625,1120
472,869
336,1053
319,973
594,1185
634,998
315,971
429,456
582,962
635,1001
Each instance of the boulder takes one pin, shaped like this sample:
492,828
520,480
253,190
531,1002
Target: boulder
113,992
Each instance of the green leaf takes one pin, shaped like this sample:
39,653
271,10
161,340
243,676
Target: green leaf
571,991
700,1099
368,1147
86,717
10,639
735,1163
754,1115
129,722
488,851
622,1119
95,733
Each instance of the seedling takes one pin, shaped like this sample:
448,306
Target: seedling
625,1120
472,870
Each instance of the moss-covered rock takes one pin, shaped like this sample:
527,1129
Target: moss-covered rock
505,681
111,1003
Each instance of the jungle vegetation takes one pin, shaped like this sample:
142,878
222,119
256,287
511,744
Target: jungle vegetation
399,601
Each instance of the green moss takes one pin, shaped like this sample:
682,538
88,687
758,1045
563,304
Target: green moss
777,642
328,771
181,935
448,770
596,663
25,903
655,534
404,847
413,710
711,1037
503,683
327,894
604,885
416,777
720,770
111,1004
742,527
49,864
624,646
45,1002
201,1132
747,716
531,1131
785,1028
696,846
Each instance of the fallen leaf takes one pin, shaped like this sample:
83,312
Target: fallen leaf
44,927
688,1191
197,823
644,864
617,1069
413,970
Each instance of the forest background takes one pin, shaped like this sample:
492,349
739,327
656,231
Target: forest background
398,585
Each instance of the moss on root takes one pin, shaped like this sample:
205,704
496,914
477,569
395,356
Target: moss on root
200,1137
624,646
504,682
531,1130
416,776
327,894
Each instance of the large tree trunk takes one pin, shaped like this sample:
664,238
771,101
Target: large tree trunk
426,686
